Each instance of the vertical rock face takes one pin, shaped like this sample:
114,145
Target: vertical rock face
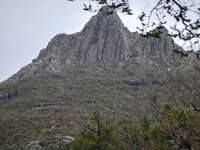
104,39
158,51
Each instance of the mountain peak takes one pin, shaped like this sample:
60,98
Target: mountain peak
104,40
106,10
105,18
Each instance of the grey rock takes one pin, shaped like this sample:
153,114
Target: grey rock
34,145
65,139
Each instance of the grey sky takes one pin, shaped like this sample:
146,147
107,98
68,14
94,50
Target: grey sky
26,26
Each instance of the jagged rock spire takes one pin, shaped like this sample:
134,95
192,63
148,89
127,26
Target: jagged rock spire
104,38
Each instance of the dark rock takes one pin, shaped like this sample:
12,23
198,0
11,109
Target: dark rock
161,83
9,94
136,83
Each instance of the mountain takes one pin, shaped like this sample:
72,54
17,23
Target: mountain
103,40
104,67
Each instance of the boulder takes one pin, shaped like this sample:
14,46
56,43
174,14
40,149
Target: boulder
34,145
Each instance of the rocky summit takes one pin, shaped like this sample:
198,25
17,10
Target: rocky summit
104,68
103,41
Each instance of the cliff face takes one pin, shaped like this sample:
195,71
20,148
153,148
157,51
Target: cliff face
103,40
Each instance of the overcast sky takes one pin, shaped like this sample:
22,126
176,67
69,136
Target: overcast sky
26,27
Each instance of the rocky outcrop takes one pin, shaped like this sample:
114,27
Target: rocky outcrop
103,40
6,94
65,139
59,142
34,145
151,50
